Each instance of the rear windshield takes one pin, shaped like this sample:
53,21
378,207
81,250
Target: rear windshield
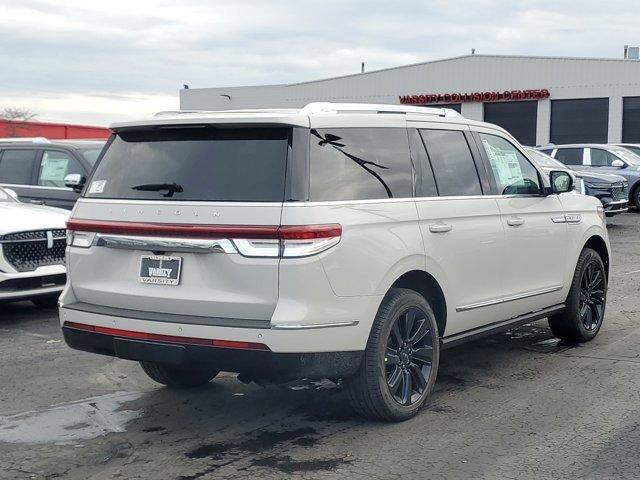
201,164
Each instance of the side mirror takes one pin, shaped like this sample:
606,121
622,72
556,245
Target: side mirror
561,181
75,181
12,193
618,163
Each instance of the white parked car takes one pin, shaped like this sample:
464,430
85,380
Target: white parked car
32,249
338,240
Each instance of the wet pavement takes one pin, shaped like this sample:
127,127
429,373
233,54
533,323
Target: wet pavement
518,405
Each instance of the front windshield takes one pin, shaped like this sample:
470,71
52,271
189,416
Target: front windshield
543,160
627,156
5,197
633,148
91,154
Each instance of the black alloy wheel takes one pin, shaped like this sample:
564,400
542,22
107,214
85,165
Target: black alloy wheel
592,295
584,311
400,363
409,356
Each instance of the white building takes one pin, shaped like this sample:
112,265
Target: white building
558,100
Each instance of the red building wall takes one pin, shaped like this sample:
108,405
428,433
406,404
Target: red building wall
53,131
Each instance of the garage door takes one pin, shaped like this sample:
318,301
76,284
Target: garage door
579,121
518,118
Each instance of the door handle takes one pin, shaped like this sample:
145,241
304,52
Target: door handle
440,228
37,202
515,221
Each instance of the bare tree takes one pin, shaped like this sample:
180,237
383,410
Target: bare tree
15,114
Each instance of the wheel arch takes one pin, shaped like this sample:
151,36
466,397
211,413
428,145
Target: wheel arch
426,285
632,193
597,243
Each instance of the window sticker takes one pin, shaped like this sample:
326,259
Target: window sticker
505,165
97,186
54,169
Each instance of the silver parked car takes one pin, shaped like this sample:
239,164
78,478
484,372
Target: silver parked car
601,158
611,190
338,240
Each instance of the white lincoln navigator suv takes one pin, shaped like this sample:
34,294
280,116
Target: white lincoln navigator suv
345,241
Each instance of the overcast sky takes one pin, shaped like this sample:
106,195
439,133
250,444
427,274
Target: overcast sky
101,61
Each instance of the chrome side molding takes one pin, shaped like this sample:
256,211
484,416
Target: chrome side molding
310,326
487,303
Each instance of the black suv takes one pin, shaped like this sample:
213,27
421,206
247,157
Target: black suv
36,167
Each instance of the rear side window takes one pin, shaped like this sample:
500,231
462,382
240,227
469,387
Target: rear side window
453,166
359,164
424,180
569,156
201,164
16,166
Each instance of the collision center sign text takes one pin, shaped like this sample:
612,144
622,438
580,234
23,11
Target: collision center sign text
428,98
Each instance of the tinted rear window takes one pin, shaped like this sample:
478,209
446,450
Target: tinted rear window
360,164
202,164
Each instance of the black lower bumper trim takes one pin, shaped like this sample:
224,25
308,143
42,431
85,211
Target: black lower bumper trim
259,364
167,317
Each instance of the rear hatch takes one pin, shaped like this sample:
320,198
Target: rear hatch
183,220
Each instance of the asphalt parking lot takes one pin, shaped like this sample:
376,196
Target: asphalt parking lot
517,405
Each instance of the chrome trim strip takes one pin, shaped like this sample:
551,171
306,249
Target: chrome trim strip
190,245
511,298
32,240
22,185
311,326
559,219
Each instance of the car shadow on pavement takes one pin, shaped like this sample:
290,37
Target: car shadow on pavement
286,430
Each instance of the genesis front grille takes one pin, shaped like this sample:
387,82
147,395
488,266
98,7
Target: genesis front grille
26,251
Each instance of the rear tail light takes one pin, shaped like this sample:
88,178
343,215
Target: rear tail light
80,239
302,241
250,241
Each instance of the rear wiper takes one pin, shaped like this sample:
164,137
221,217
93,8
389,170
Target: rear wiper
171,188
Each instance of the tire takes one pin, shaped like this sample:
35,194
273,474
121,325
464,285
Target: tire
635,197
388,360
46,301
179,377
585,305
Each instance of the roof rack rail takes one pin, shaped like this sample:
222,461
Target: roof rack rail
25,140
175,112
328,107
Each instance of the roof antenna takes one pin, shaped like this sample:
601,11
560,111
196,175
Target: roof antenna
473,51
362,67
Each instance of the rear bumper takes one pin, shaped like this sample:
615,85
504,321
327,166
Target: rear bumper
261,364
